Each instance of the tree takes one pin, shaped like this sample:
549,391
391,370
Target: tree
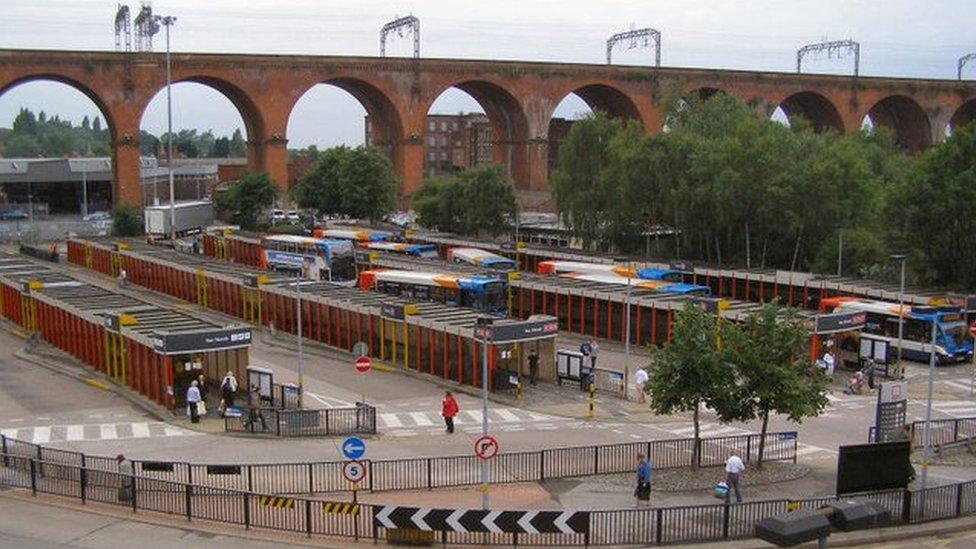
933,211
477,201
772,371
85,123
238,149
244,201
221,147
97,124
126,221
692,370
356,182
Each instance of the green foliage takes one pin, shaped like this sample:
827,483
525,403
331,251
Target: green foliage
933,212
693,369
127,221
356,182
43,136
727,187
773,373
243,201
298,229
479,200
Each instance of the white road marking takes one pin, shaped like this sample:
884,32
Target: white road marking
109,431
507,415
391,420
421,419
140,430
41,435
74,432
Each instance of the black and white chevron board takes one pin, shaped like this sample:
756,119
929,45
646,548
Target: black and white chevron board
470,520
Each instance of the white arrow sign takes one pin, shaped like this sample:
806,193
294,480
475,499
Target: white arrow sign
418,519
526,522
383,517
453,519
560,523
489,522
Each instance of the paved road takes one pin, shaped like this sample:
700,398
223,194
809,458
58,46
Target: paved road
29,525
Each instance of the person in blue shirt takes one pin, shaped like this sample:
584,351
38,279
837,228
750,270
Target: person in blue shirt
643,490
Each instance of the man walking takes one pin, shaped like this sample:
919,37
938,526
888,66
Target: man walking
254,409
733,468
193,401
594,351
640,380
643,490
126,472
533,366
449,409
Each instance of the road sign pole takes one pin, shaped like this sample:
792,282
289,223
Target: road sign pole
484,416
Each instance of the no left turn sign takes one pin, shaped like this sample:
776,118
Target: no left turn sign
486,447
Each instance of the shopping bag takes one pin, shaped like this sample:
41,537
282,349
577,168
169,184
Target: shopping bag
721,490
201,408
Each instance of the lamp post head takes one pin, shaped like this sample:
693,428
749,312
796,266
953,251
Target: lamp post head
897,257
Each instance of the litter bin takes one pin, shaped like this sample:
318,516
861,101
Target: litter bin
793,528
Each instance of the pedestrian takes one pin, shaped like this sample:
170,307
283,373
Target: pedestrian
193,401
204,393
126,473
123,278
640,380
449,409
228,389
254,409
585,349
643,489
533,366
830,363
594,351
733,468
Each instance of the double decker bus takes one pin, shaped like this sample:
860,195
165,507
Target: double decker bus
953,341
320,259
426,251
480,258
481,293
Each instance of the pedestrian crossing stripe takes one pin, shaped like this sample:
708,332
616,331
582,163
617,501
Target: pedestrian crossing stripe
278,502
340,508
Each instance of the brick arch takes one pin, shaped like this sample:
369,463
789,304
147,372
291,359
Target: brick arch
387,124
73,83
816,109
963,115
906,118
509,124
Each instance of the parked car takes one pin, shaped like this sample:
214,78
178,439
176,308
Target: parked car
13,214
277,216
294,218
96,216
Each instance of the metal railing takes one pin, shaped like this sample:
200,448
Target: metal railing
305,423
434,472
943,431
258,507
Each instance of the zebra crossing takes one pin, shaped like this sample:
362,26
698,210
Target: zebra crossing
709,430
94,432
953,408
409,423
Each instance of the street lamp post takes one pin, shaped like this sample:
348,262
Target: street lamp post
901,303
627,335
927,433
301,357
168,22
485,324
840,250
84,191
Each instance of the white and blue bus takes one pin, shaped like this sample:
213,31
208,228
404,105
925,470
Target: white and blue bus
953,342
426,251
482,293
480,258
319,259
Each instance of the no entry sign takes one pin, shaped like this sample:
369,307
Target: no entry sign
363,364
486,447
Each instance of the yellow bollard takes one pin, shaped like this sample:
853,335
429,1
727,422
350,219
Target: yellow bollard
592,400
518,392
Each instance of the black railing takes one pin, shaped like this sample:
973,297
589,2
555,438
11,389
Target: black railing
258,507
305,423
431,472
943,431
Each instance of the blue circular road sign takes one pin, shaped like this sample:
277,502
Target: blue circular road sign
353,448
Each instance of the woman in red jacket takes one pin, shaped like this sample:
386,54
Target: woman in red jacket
449,409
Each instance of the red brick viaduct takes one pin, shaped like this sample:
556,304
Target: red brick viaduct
518,97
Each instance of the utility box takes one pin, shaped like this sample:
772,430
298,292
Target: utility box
190,217
793,528
569,365
851,515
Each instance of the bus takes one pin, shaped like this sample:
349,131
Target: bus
480,258
358,235
953,342
579,267
661,286
426,251
321,259
482,293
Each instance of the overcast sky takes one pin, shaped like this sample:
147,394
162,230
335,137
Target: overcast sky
920,38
